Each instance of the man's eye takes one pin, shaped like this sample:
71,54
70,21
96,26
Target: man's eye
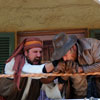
34,51
40,51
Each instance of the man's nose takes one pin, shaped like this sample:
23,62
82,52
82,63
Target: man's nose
64,58
39,54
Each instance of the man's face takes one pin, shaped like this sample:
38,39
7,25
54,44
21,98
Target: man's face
34,55
71,54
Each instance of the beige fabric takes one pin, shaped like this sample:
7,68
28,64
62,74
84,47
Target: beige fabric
26,88
52,91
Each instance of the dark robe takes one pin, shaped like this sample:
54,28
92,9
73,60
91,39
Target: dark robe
9,90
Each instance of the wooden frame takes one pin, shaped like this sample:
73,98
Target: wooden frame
51,32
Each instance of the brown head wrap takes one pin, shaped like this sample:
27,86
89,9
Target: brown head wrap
18,53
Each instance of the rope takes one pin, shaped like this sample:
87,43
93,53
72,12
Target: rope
50,74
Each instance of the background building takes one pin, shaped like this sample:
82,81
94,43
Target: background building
44,19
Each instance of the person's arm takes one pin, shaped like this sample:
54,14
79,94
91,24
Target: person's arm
56,67
92,68
95,55
49,67
48,79
28,68
43,68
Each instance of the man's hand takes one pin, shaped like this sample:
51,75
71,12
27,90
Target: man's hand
73,67
60,67
68,67
80,70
